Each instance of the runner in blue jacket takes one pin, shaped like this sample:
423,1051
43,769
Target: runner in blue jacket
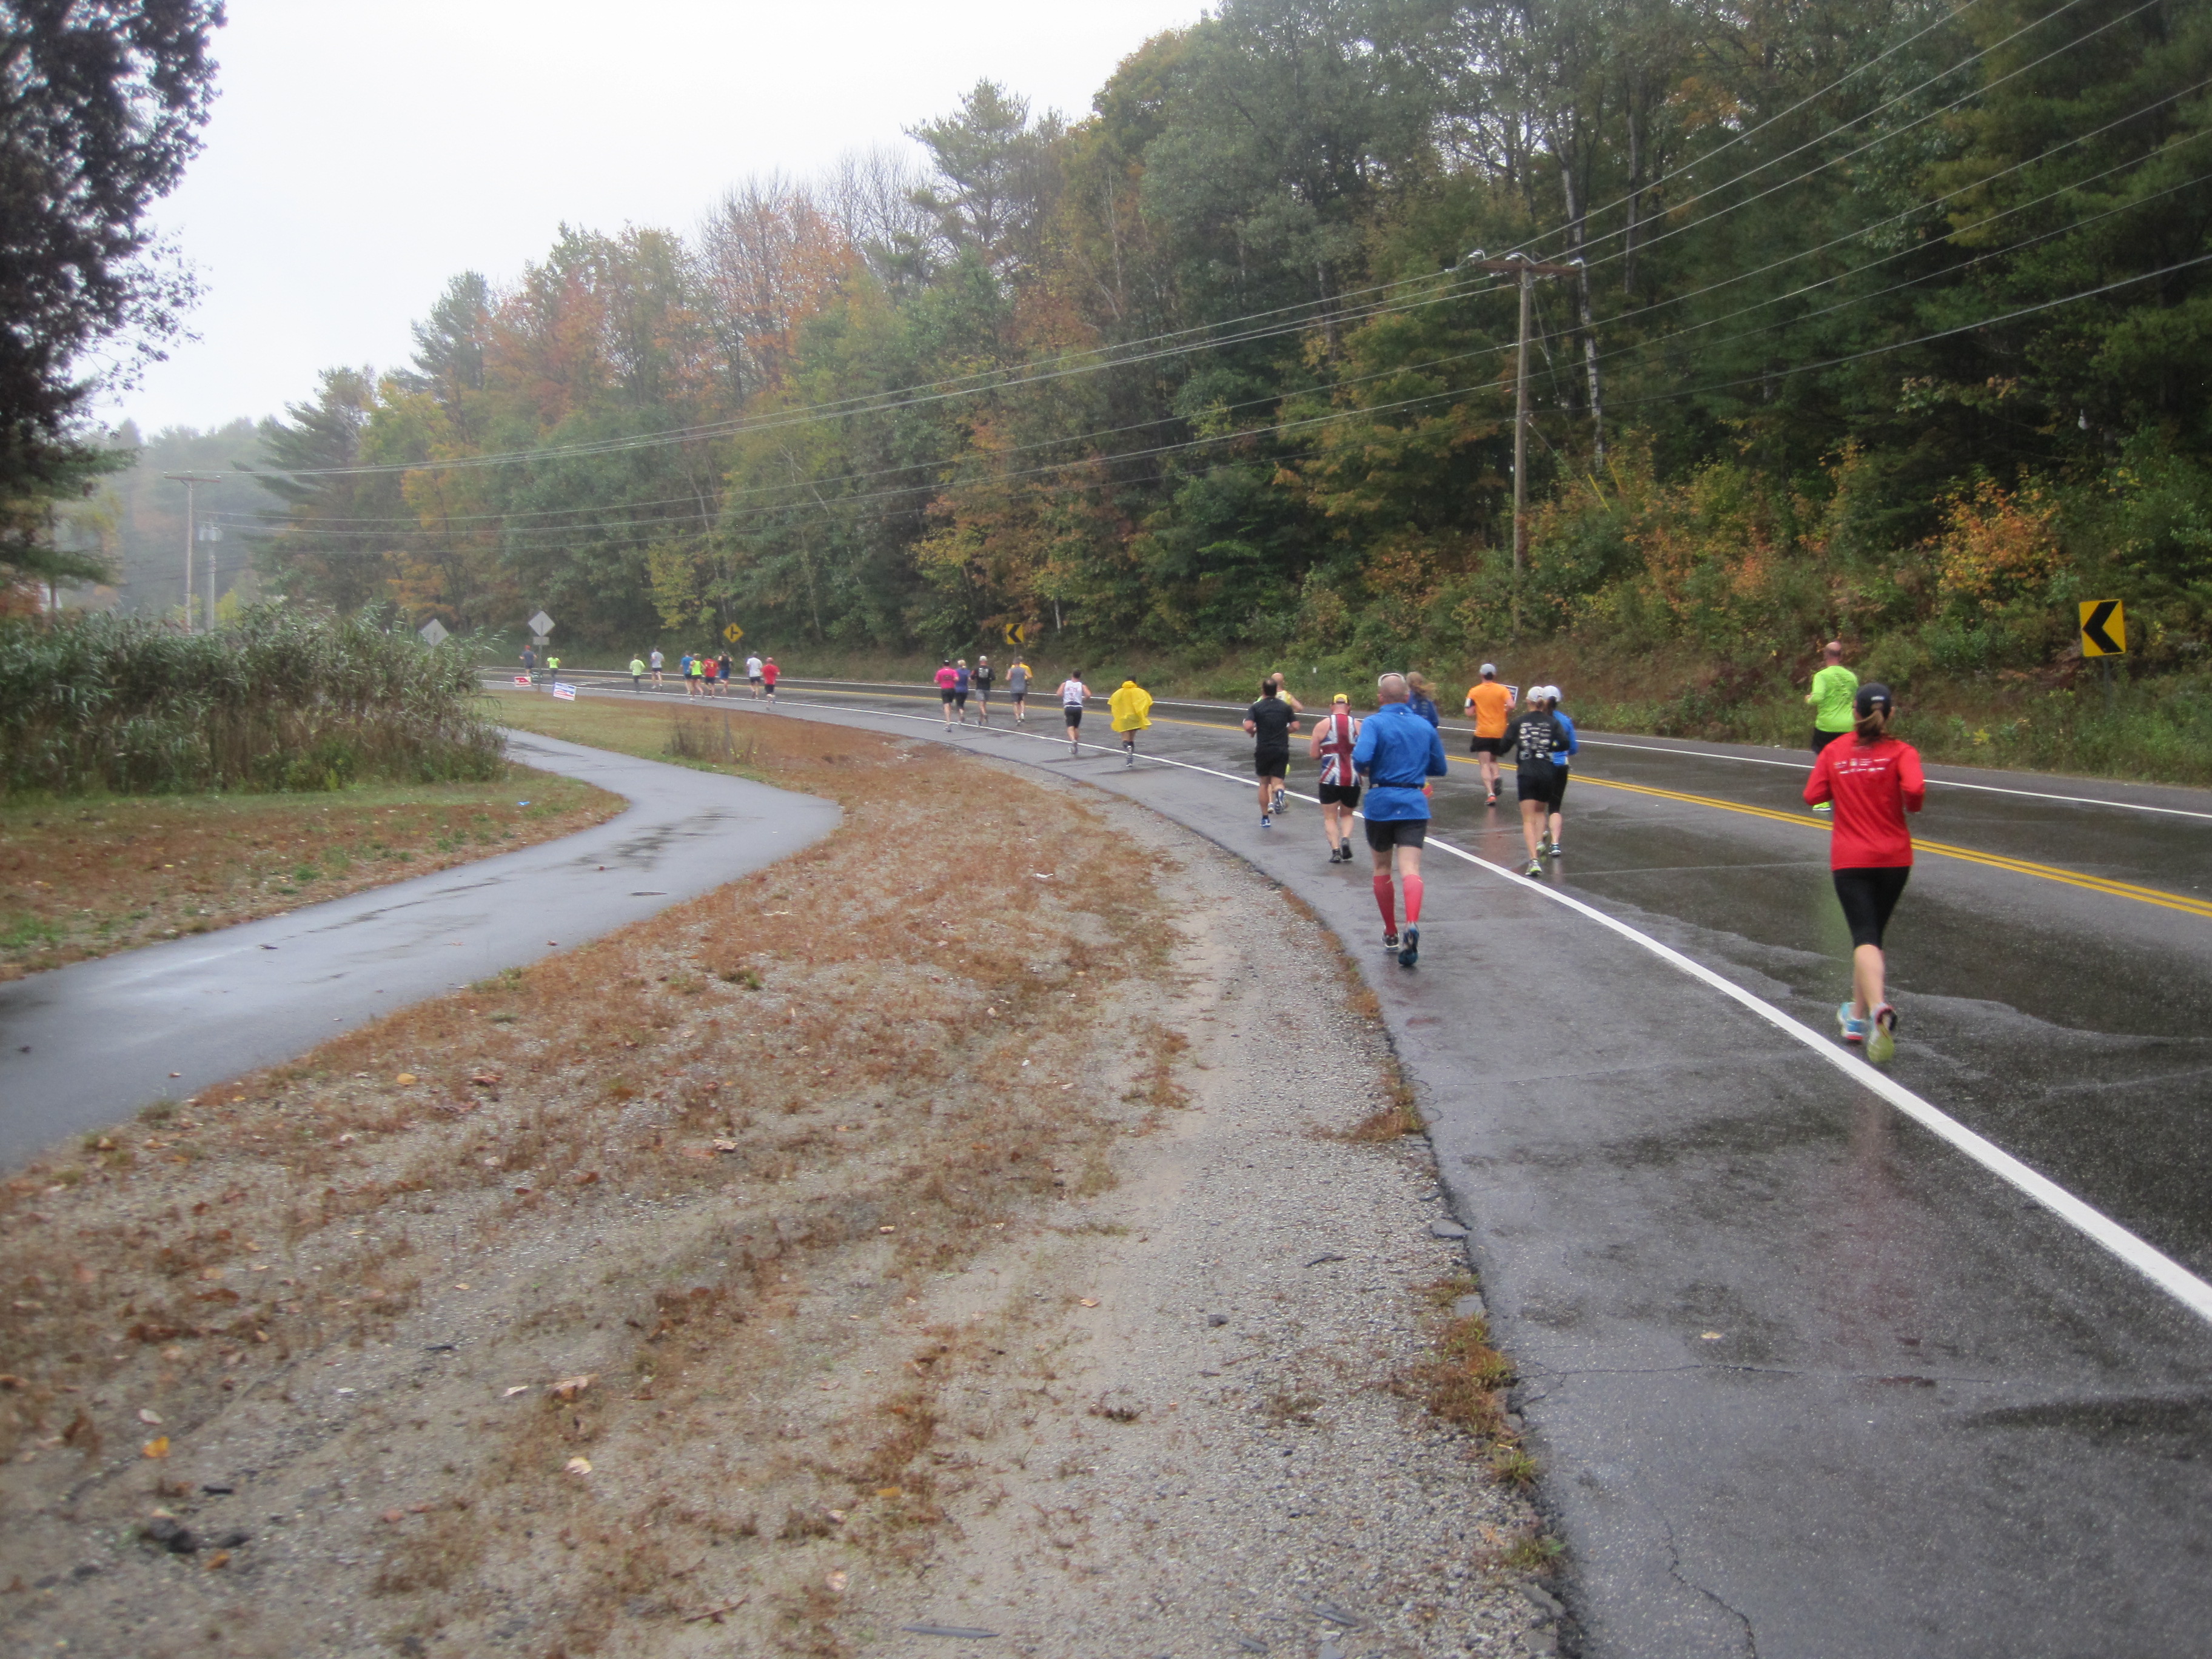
1397,753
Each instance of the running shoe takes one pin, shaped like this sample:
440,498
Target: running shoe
1128,758
1544,847
1854,1029
1535,868
1492,800
1881,1039
1390,940
1266,821
1410,951
1824,807
1557,849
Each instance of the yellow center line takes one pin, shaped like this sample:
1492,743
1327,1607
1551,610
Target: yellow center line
2181,902
2127,890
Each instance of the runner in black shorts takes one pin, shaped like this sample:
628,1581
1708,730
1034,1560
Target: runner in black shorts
1334,740
1538,783
1271,721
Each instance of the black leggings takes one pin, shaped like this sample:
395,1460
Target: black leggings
1868,896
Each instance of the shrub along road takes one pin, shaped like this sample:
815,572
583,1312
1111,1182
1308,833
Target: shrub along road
86,1045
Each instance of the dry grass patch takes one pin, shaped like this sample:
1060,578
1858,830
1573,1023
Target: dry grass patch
1465,1380
85,876
704,1172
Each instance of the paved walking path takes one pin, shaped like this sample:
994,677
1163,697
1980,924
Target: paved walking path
86,1046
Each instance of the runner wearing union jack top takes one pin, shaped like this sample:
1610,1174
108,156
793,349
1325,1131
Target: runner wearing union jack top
1332,745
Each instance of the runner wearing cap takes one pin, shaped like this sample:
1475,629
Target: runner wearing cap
1539,782
1396,754
1492,706
1335,737
768,672
1871,780
1570,745
1273,721
1072,692
1834,687
948,682
1131,707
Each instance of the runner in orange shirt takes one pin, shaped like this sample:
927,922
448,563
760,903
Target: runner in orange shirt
1492,705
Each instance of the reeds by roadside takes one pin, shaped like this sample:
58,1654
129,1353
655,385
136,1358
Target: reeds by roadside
284,699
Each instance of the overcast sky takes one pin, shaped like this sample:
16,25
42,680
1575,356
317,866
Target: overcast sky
360,155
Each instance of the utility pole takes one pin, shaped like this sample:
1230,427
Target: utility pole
191,481
1525,268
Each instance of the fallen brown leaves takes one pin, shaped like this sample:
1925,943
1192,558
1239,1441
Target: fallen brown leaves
81,879
774,1113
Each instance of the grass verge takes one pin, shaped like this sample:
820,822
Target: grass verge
583,1306
85,876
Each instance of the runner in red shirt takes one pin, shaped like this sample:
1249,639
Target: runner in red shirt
768,672
1873,780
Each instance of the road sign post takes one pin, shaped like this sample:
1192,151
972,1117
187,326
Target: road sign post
2103,635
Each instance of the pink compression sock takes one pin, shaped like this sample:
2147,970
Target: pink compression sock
1386,901
1413,900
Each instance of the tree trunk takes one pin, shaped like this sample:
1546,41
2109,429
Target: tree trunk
1596,384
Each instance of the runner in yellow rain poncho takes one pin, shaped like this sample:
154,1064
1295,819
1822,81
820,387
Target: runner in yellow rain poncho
1132,708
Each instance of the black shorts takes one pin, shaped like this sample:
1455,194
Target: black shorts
1340,794
1271,765
960,699
945,693
1384,834
1822,739
1073,716
1486,746
1548,784
755,678
1868,895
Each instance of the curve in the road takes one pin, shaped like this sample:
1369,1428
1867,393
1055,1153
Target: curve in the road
2160,1269
85,1045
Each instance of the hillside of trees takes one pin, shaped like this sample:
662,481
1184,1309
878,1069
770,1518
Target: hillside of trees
1891,320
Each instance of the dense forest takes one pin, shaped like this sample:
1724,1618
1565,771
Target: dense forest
1889,318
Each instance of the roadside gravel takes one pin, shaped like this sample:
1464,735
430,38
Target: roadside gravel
1219,1457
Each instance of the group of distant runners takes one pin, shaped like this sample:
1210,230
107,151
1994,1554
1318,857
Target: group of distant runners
707,673
956,681
1380,769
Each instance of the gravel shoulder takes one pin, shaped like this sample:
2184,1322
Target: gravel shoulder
1221,1455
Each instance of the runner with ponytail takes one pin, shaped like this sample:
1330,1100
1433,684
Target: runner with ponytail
1873,780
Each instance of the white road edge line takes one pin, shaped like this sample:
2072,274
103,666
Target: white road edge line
2154,1264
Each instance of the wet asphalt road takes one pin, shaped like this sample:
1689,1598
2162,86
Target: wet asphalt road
1805,1380
83,1047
